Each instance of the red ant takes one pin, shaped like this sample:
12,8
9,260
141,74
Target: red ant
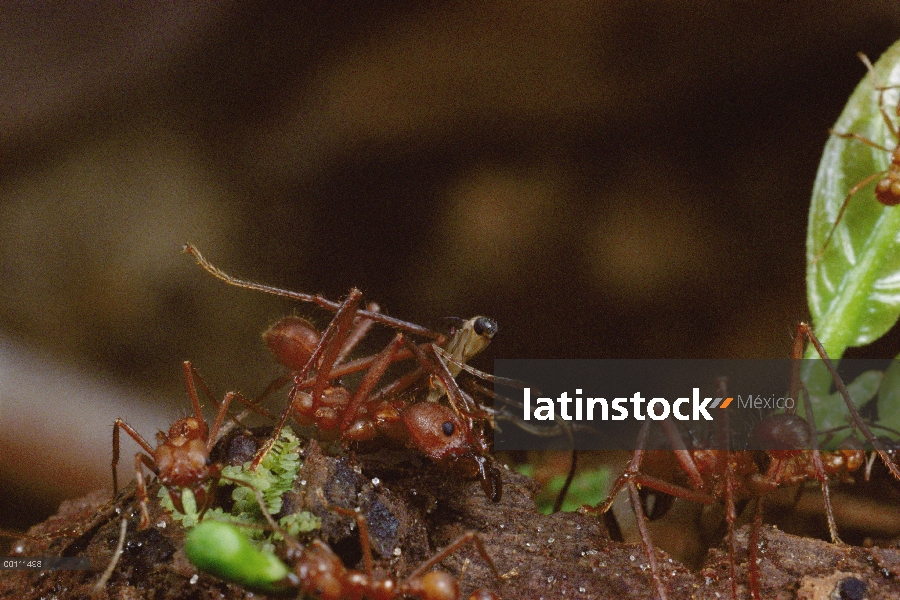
453,436
730,476
319,573
444,435
181,457
887,190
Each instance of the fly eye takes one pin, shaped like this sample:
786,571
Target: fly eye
448,428
485,327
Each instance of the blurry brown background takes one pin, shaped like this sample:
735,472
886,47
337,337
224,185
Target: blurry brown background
606,179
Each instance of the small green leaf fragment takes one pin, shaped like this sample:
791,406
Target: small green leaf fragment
220,549
297,523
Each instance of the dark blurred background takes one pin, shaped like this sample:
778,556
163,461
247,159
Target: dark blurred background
606,179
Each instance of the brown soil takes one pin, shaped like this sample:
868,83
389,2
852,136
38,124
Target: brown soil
416,508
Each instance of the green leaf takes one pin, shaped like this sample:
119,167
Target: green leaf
889,397
854,286
220,549
588,489
831,411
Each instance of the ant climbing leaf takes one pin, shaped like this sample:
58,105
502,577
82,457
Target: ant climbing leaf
853,268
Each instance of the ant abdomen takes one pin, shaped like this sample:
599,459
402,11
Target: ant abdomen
887,191
292,340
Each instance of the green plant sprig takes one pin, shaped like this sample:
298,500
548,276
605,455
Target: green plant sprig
274,476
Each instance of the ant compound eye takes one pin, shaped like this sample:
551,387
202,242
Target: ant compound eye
485,327
448,428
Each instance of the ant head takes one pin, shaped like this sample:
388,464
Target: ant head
445,438
292,340
437,431
782,435
189,428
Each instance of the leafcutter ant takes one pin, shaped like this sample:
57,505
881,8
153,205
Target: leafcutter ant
728,477
887,190
181,457
220,549
453,435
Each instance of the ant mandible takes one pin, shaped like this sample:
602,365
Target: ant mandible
887,190
454,437
181,457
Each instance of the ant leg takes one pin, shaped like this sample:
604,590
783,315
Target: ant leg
477,373
462,405
469,536
403,383
189,372
646,541
881,89
361,326
277,384
860,138
805,329
682,454
364,542
630,471
332,343
315,299
752,552
570,476
143,498
379,365
115,458
730,519
220,417
327,350
820,469
853,191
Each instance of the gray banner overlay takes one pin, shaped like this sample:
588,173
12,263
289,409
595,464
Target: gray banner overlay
694,404
45,563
